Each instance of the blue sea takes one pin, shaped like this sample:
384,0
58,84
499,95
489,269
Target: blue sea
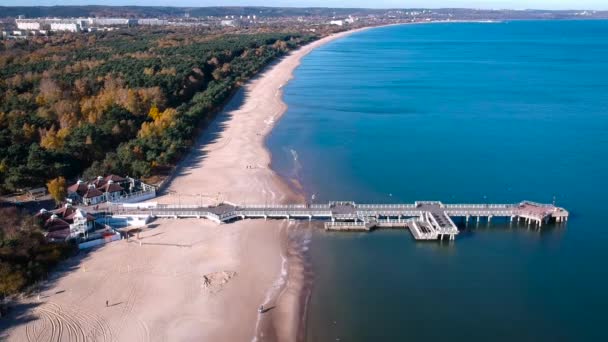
456,112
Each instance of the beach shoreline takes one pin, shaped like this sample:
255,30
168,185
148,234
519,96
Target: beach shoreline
296,282
232,162
192,279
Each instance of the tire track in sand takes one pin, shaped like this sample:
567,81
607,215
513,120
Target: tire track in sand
57,323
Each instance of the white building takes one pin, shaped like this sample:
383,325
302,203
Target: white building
28,24
111,21
62,26
152,22
336,22
82,223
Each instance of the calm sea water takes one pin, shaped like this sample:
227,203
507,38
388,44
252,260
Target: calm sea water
459,113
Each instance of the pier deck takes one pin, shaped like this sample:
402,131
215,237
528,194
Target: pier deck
426,220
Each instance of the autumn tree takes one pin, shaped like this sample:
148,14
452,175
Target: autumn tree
117,102
49,91
154,113
57,188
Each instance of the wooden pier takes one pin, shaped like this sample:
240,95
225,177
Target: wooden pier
426,220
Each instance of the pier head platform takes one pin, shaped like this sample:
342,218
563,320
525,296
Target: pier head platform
426,220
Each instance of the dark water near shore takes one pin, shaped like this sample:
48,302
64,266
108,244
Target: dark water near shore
458,113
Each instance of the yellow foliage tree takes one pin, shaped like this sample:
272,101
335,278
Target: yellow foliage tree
57,189
156,127
50,140
154,113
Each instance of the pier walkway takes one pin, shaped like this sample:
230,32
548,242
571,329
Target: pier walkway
426,220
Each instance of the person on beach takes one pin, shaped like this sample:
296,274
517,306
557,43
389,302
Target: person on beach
107,303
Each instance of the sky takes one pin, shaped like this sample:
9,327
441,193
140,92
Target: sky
489,4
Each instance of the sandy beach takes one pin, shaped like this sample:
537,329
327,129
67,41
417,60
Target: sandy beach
193,279
231,162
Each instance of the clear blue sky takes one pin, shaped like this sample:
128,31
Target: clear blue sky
511,4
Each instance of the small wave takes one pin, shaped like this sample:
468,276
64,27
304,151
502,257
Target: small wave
273,292
294,154
296,166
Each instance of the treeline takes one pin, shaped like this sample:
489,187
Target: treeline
126,102
25,254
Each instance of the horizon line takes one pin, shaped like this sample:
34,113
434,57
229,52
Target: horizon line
320,7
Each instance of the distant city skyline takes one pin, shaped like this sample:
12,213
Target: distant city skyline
487,4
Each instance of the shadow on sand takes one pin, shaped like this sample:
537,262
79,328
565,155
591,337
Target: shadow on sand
20,310
210,131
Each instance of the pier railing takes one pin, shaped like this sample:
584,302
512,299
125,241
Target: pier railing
407,212
479,206
480,212
274,206
386,206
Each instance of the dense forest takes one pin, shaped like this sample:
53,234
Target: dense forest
125,102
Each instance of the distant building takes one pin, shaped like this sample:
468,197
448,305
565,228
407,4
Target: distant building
152,22
66,26
28,24
336,22
228,23
82,24
112,22
14,34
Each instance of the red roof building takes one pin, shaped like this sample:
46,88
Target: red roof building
93,196
111,188
59,235
98,182
79,189
55,223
